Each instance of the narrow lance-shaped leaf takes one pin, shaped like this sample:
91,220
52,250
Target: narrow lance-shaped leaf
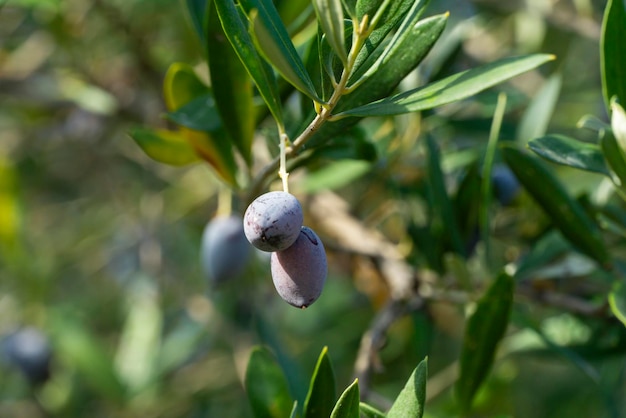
450,89
181,85
78,348
237,33
165,146
612,57
404,53
197,13
617,301
536,118
614,156
393,15
486,187
232,87
330,16
398,42
368,411
442,204
411,400
348,404
273,41
266,386
484,330
322,391
568,151
565,212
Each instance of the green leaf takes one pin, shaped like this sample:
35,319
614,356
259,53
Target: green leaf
571,152
451,89
218,153
618,123
181,85
442,205
330,16
408,36
348,404
405,51
237,33
614,155
617,301
197,13
593,123
392,16
486,184
165,146
411,400
266,386
483,332
546,250
612,57
272,40
200,114
565,212
370,412
81,351
350,6
322,391
232,88
335,175
136,357
536,118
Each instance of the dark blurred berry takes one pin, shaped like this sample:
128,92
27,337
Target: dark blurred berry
29,351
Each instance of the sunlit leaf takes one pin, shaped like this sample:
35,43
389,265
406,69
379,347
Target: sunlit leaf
404,52
564,211
266,386
483,332
181,85
80,350
612,57
216,151
135,360
330,16
335,175
617,301
348,404
273,41
614,155
232,88
618,123
322,391
537,116
369,411
165,146
568,151
409,36
237,33
453,88
411,400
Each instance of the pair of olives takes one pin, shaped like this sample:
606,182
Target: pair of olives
272,223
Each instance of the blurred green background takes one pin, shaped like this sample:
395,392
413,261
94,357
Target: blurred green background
99,245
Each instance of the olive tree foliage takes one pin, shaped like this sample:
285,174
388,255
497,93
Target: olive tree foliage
406,170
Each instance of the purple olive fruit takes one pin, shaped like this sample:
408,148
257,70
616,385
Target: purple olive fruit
299,272
29,350
506,187
273,220
225,249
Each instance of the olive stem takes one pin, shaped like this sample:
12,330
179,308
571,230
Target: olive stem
324,114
